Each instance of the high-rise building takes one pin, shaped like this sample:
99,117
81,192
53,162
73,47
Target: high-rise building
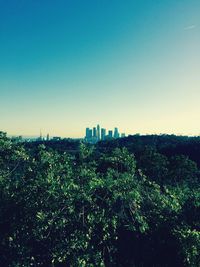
90,133
87,133
123,135
116,133
110,133
98,132
94,132
40,137
103,133
47,137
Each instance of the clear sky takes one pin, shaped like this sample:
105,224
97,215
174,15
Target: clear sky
67,64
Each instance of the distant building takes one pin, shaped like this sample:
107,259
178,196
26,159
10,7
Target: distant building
48,137
98,132
103,133
123,135
40,137
87,133
116,133
110,134
94,132
90,133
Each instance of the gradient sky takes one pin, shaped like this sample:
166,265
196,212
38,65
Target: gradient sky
132,64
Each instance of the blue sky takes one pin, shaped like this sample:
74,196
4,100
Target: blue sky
67,65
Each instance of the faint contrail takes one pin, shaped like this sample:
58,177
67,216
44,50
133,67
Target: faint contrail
190,27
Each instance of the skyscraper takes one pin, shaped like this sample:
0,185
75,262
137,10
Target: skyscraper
116,133
103,133
98,132
87,133
94,132
110,134
90,133
40,137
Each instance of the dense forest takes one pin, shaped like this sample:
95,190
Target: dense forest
129,202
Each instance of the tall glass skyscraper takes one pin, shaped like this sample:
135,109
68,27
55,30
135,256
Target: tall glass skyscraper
98,132
103,133
110,133
116,133
94,132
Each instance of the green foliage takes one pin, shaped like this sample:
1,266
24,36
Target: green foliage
153,164
190,243
96,209
183,169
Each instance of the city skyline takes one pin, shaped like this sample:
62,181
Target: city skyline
67,64
95,134
108,133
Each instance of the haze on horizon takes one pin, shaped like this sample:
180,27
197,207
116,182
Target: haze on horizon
68,65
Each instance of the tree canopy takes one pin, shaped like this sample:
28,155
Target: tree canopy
97,207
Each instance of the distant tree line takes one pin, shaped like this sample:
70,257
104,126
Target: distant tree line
130,202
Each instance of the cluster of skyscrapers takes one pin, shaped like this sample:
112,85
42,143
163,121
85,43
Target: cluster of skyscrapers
96,134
